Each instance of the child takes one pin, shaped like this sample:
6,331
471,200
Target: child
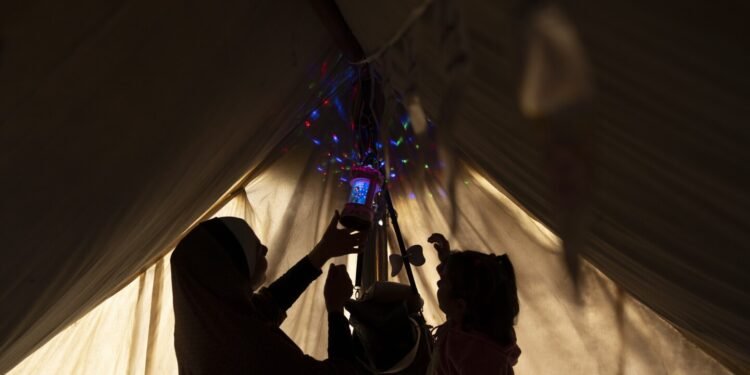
477,293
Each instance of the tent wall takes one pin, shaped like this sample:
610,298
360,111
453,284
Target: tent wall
670,204
289,206
129,333
120,124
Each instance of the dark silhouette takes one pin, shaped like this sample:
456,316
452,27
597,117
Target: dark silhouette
222,327
477,293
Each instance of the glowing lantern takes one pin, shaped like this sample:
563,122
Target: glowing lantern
359,211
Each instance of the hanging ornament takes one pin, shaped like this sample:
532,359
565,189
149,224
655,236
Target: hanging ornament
413,255
359,212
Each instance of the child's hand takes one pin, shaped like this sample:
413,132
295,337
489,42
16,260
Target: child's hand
441,245
338,288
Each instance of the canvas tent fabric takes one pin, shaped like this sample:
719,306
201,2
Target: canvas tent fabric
122,123
669,136
609,333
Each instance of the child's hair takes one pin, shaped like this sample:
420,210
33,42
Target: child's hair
487,283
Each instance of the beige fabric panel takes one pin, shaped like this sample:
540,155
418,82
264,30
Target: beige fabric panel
608,333
129,333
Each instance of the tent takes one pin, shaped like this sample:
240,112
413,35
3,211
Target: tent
125,123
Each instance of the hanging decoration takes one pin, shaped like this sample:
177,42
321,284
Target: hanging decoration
413,255
332,124
359,211
344,142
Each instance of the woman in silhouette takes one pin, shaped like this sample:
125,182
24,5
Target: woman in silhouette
223,326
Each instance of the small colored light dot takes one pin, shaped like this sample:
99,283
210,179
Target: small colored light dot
308,123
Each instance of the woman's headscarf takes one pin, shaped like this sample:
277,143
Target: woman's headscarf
211,280
220,326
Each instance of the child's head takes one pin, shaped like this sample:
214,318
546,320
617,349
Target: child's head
478,291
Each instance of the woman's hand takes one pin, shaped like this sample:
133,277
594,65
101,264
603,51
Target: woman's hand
441,245
336,242
338,288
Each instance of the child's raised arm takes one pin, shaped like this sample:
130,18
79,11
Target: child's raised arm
442,246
